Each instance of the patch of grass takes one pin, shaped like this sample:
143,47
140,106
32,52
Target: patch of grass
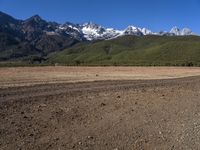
133,51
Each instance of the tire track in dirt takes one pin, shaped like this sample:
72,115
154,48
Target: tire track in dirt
16,93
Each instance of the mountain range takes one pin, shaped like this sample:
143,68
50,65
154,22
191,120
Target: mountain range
38,37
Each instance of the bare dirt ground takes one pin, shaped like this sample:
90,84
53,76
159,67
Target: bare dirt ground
22,76
119,114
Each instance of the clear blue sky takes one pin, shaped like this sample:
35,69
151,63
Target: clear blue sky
153,14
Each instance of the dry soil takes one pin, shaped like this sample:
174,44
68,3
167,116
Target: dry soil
109,114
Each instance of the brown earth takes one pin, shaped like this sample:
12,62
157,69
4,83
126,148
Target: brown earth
101,115
24,76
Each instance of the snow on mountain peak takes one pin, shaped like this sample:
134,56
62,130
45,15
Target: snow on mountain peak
185,31
132,30
91,25
175,30
91,31
146,31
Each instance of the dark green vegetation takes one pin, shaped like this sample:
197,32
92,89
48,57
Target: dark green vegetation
133,50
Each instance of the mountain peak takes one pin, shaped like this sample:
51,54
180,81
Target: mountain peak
146,31
36,18
91,25
132,30
185,31
175,30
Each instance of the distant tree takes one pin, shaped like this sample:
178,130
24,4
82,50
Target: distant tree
77,62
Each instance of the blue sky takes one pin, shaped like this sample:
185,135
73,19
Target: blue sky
153,14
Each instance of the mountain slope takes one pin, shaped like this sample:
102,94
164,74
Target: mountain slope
134,50
37,38
30,37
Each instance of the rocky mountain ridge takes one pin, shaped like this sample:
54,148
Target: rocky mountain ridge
36,36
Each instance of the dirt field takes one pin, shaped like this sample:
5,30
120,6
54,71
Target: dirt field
38,111
22,76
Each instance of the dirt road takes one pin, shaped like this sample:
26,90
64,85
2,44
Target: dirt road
102,115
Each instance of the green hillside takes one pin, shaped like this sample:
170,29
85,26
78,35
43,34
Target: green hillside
133,50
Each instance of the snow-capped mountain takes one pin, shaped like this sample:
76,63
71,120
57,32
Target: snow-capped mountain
91,31
185,31
175,31
71,29
131,30
35,27
146,31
